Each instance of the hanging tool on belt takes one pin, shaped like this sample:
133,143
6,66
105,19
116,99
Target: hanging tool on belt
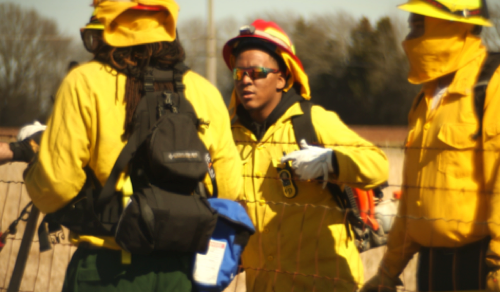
13,226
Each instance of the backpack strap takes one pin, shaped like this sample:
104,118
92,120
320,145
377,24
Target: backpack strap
92,182
304,129
179,70
490,65
303,126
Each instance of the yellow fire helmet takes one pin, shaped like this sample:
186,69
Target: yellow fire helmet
468,11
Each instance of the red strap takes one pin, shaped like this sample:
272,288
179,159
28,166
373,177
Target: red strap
148,7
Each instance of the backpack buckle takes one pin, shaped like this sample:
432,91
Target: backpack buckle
169,103
149,83
179,86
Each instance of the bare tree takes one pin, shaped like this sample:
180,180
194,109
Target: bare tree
193,35
491,35
33,58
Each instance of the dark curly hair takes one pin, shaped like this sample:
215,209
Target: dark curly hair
132,61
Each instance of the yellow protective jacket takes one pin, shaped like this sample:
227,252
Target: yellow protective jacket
86,128
450,180
302,242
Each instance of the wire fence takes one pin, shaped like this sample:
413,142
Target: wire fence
45,271
297,260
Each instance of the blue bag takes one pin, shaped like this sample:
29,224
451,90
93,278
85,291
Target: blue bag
215,270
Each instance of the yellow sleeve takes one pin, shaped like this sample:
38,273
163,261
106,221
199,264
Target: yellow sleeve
361,164
226,159
57,175
400,248
209,105
491,162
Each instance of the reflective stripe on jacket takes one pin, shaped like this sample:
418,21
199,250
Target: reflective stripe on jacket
306,234
87,125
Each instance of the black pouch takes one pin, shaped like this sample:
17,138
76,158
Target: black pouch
155,219
177,155
79,215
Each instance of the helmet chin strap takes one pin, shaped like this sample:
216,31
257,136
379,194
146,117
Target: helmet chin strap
477,30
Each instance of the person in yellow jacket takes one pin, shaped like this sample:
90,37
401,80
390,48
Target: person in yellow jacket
449,206
89,127
301,242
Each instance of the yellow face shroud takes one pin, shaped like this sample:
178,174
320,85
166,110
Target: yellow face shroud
444,48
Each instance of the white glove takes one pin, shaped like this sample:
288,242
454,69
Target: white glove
311,162
29,130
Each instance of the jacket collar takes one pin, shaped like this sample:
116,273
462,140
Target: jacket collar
464,80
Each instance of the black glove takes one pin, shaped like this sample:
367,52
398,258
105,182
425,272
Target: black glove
23,150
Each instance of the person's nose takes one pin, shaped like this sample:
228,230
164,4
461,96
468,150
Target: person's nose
245,79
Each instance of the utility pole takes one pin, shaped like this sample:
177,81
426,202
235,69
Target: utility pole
211,61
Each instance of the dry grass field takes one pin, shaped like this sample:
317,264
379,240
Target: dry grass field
45,271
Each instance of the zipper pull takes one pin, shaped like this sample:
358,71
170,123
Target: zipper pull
169,102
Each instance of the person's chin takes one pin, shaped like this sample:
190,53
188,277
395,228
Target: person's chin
250,105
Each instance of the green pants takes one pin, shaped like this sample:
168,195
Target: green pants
100,270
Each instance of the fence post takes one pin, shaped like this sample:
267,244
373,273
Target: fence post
24,250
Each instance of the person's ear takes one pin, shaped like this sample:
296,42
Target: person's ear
281,82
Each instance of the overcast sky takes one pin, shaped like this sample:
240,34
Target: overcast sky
72,14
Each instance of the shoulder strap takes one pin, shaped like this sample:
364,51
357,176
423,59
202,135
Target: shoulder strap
303,126
491,64
304,129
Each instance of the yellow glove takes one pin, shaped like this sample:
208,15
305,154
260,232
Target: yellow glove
381,282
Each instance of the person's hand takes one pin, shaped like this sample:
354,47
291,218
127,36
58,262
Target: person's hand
493,281
381,282
493,277
29,130
28,142
311,162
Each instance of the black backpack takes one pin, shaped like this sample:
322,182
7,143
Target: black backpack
167,161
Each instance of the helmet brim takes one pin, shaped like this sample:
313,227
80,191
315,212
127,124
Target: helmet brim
420,7
229,48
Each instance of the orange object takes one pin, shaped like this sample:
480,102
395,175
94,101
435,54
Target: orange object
397,194
366,206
